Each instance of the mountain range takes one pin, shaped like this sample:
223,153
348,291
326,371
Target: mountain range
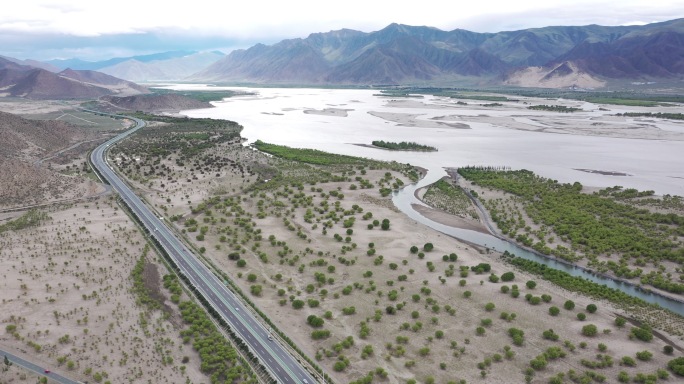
556,56
591,56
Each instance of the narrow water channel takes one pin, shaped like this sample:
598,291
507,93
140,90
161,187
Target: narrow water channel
404,198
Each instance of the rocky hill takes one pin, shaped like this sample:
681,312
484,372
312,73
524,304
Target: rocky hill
401,54
24,142
155,103
31,139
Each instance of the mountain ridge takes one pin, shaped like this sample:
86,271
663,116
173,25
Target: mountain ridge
407,55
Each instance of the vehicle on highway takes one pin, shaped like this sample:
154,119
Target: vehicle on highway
47,371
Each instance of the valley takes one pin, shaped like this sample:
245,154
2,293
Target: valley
315,243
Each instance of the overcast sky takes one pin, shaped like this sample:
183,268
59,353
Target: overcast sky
94,30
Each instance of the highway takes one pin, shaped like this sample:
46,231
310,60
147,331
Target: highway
281,364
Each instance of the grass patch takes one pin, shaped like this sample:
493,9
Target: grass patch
309,156
449,198
32,218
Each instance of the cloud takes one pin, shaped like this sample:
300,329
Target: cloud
63,27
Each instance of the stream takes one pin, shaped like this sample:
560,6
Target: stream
404,199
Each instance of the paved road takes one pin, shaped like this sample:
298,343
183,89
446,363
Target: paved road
277,360
16,360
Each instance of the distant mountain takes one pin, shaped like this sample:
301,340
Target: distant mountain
401,54
175,68
95,65
36,83
33,63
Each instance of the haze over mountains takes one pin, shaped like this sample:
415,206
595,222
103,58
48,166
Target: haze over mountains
173,65
401,54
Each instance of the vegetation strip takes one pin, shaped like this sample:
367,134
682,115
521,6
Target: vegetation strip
658,115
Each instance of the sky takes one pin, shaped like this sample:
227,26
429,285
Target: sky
97,30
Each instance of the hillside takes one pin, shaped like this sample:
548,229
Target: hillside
405,55
35,83
23,143
31,139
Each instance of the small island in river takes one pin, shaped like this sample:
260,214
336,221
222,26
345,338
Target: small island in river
403,146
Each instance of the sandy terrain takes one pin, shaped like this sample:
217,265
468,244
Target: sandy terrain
340,112
585,122
412,120
68,292
449,219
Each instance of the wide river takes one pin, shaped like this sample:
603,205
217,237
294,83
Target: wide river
334,120
277,115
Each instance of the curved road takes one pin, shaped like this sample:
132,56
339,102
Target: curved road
282,365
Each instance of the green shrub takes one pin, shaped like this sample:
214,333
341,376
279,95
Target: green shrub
508,276
642,333
589,330
677,366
